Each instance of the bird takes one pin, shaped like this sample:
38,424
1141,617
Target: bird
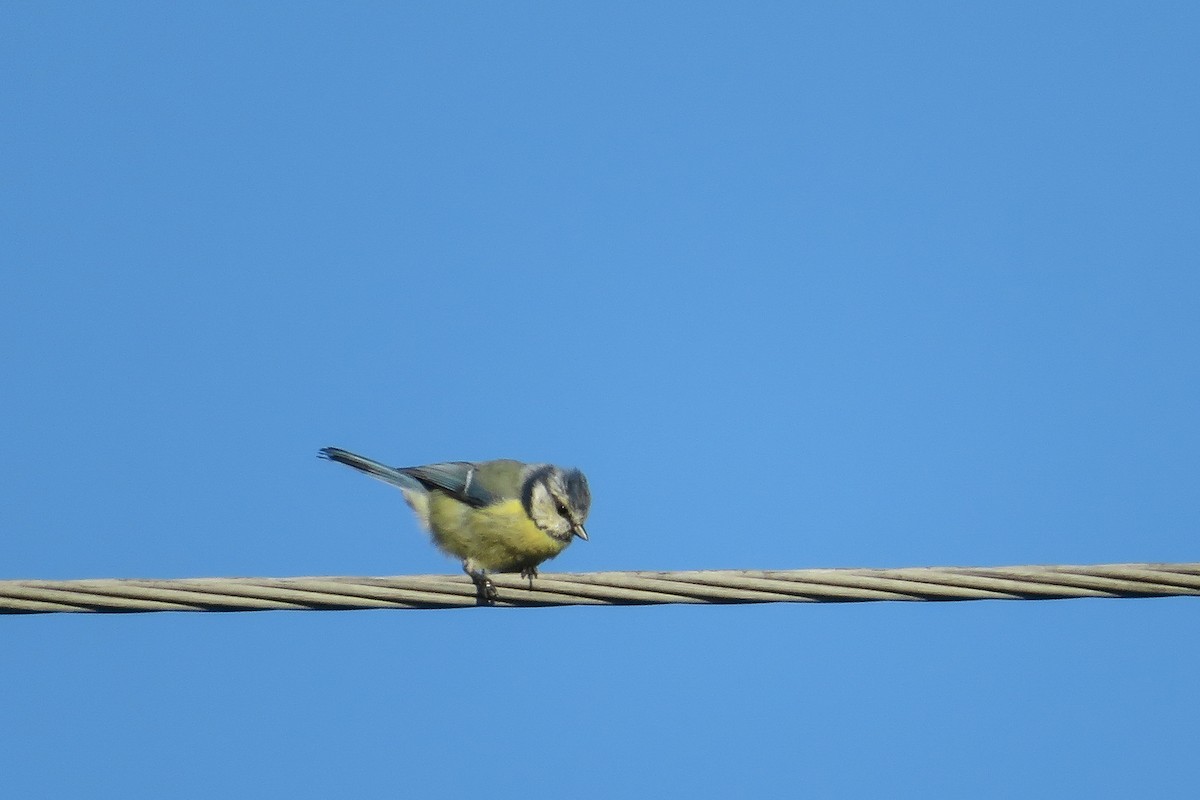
496,516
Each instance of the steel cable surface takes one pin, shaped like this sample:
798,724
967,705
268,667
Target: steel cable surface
1054,582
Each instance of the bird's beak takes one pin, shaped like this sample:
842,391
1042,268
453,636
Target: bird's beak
580,532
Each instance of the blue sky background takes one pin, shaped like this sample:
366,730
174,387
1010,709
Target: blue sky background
798,285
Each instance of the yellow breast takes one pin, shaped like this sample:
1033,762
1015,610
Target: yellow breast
499,538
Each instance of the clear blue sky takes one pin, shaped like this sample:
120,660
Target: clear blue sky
798,285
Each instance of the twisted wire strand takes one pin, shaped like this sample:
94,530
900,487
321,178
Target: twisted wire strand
1055,582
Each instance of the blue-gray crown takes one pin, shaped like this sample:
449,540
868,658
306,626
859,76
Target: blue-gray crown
578,491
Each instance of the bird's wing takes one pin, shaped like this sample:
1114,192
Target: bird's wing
459,479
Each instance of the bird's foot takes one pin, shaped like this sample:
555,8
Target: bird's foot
530,573
485,590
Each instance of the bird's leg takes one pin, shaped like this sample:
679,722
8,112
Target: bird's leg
485,590
531,573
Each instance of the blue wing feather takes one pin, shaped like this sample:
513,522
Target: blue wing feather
456,478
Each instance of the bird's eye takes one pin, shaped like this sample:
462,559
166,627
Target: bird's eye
560,508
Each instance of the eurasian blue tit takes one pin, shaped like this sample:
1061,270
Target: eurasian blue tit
498,516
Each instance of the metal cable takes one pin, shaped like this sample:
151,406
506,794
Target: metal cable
603,588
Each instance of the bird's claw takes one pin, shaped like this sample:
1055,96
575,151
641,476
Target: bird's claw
485,590
487,594
530,573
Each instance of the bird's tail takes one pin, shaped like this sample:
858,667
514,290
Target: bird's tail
373,468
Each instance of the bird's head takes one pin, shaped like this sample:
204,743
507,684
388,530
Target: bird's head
557,500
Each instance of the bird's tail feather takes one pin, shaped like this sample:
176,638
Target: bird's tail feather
373,468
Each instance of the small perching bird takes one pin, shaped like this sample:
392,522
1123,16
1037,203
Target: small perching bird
497,516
